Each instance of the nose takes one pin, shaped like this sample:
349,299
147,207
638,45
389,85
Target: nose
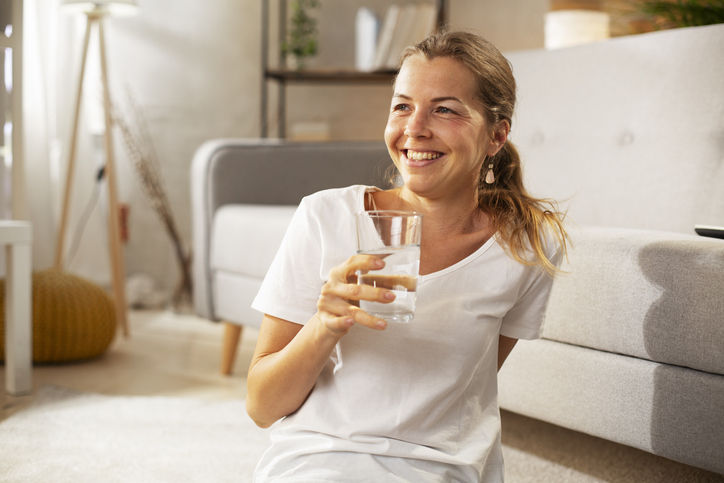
417,125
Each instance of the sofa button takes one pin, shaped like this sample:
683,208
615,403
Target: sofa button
626,139
538,138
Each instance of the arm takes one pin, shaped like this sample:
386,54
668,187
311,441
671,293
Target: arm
289,357
285,367
505,345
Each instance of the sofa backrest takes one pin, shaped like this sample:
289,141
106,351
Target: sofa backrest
276,172
628,132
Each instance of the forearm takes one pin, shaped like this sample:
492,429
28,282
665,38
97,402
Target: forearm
279,381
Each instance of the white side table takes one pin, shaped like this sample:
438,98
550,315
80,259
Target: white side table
17,236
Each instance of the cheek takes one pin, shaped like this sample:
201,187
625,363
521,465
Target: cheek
392,132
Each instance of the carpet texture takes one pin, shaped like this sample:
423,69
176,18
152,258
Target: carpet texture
67,436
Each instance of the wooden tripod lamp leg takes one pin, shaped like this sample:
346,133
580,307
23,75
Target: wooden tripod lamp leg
71,159
114,235
116,249
232,335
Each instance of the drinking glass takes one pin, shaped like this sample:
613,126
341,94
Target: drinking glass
393,236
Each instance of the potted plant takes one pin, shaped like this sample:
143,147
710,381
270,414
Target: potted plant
683,13
301,40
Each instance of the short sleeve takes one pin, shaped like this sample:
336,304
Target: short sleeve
292,285
525,319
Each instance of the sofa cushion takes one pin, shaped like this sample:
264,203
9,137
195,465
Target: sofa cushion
667,410
233,295
236,244
652,295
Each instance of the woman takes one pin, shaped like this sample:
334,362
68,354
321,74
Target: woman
366,401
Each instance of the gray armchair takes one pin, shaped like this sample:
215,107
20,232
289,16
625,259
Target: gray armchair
243,195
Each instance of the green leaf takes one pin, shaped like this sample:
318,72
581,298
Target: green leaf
684,13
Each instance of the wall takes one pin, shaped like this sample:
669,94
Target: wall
195,72
194,69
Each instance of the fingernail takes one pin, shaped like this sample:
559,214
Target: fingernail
349,321
381,324
379,263
389,295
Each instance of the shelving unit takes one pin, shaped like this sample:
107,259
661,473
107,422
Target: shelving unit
284,76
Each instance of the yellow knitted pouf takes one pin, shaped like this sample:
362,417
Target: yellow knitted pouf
73,318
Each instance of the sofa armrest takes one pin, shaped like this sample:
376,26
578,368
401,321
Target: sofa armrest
646,294
268,172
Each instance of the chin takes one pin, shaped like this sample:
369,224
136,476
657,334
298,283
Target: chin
417,187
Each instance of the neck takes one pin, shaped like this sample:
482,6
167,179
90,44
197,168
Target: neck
458,216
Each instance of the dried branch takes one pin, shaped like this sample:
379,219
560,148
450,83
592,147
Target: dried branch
142,152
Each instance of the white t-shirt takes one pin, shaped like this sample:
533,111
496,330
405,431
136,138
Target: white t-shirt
416,402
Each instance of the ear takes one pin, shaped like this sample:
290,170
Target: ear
498,137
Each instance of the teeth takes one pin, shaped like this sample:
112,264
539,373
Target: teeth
418,155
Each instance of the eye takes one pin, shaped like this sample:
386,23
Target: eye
401,107
445,110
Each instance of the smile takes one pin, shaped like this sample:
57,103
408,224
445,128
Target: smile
420,155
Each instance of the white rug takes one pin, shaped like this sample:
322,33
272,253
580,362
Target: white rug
68,436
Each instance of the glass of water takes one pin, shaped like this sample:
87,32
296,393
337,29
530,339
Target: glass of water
393,236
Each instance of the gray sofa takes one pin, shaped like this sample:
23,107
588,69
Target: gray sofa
628,135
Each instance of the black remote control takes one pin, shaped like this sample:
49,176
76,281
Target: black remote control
710,231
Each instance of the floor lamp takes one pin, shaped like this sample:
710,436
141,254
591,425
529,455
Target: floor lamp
95,12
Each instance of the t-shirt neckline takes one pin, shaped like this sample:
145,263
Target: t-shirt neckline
485,246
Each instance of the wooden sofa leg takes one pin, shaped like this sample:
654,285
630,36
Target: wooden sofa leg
232,334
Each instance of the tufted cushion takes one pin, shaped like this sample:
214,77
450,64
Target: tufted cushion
73,318
627,132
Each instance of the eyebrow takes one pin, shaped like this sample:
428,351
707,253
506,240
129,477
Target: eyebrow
437,99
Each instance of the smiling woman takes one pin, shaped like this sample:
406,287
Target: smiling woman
418,401
474,67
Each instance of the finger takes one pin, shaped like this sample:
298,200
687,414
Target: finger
353,292
363,318
336,324
349,267
339,315
334,304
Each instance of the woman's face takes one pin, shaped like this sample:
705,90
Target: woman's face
436,133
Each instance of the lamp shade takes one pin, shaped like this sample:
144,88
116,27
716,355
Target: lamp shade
121,8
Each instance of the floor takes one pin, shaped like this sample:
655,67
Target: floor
172,354
167,354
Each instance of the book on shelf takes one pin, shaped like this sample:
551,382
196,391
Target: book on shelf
425,22
385,37
403,25
402,36
367,27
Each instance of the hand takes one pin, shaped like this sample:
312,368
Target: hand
337,304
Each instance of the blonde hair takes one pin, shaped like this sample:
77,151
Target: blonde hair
521,221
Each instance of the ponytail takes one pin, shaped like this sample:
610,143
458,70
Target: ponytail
523,223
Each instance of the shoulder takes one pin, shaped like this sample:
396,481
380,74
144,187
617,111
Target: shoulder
335,201
542,245
346,194
554,243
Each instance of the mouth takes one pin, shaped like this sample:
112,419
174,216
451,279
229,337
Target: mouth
416,158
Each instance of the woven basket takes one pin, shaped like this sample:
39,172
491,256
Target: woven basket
73,318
